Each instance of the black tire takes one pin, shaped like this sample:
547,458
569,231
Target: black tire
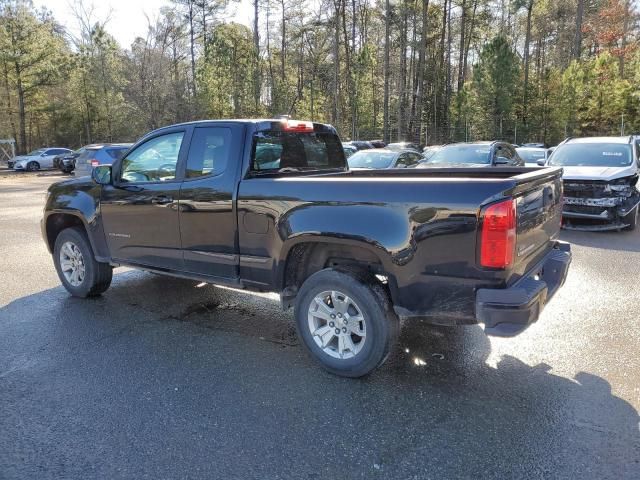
381,323
97,275
33,166
632,219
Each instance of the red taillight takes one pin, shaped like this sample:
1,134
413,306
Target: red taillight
297,126
498,240
95,163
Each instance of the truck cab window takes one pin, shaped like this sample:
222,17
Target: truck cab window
209,151
276,150
153,161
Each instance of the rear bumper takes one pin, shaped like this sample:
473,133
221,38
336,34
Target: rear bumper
509,311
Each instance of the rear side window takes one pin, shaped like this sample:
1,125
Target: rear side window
276,150
116,153
86,154
208,152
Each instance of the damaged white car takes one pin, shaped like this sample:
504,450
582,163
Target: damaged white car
600,182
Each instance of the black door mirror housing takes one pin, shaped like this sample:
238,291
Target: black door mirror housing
101,174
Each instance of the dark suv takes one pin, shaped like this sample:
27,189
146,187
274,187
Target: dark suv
94,155
66,162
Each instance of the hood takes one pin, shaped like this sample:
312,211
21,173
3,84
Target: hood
598,173
80,183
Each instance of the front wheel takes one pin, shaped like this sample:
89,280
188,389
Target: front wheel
77,269
33,166
345,322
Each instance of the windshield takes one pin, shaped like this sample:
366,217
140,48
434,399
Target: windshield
371,160
592,155
462,154
36,152
531,155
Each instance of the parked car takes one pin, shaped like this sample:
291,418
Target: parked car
356,252
600,182
348,150
360,144
39,159
66,162
378,158
477,154
534,145
550,150
99,154
532,156
404,146
429,151
378,144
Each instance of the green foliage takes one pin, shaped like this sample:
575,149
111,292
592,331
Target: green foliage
225,76
329,67
495,83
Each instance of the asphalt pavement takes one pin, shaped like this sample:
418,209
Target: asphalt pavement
165,378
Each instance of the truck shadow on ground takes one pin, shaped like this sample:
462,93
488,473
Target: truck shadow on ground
436,409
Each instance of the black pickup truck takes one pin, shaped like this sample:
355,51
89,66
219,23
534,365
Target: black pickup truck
270,205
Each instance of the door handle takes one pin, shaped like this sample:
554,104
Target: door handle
161,200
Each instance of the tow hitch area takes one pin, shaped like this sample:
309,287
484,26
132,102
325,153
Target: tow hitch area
600,205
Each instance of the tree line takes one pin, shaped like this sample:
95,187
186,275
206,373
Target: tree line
428,71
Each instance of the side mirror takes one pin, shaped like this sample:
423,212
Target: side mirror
102,174
502,161
401,165
541,162
43,154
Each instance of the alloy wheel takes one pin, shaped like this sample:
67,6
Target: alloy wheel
72,263
337,324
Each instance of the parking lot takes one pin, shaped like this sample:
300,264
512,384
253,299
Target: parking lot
167,378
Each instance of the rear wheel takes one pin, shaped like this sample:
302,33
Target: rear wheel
345,322
77,268
632,218
33,166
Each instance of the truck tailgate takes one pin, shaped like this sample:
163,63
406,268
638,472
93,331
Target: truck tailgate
539,215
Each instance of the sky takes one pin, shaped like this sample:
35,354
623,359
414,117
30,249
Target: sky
127,17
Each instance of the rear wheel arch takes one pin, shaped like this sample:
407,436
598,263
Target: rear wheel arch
305,258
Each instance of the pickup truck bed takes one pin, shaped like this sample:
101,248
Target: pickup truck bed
452,246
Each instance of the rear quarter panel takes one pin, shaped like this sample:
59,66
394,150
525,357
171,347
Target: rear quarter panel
422,230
